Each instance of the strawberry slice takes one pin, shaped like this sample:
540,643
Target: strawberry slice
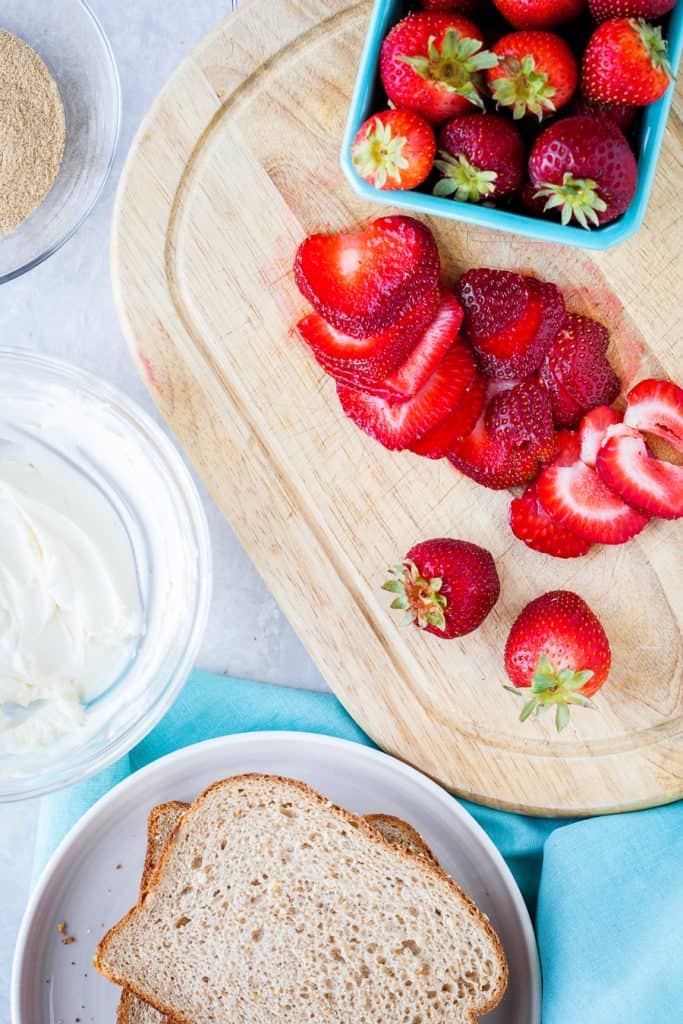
361,282
656,407
392,347
576,497
567,448
594,426
576,372
626,465
438,441
510,319
531,523
522,415
429,351
396,424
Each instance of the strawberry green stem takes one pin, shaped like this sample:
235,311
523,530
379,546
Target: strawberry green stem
551,688
577,198
655,44
420,598
523,88
380,154
462,180
456,65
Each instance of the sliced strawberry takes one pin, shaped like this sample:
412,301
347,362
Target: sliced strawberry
361,282
656,407
391,347
593,429
576,497
576,372
522,415
437,442
397,424
429,351
531,523
510,319
625,464
567,448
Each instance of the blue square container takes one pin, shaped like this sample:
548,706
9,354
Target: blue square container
368,97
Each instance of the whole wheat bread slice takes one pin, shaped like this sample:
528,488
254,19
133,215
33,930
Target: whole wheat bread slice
161,822
270,904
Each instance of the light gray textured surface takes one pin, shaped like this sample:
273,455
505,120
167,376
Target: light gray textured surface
65,308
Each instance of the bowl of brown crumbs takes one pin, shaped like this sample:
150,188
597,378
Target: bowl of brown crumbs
60,106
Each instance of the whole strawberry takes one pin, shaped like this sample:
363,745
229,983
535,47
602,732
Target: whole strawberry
623,115
584,169
480,157
575,371
539,13
558,652
394,149
626,62
469,7
433,64
602,10
536,74
446,587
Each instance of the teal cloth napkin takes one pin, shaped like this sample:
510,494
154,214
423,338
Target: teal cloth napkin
606,893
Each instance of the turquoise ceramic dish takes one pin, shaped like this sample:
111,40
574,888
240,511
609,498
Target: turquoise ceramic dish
368,97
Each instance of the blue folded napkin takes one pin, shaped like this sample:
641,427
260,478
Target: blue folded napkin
607,893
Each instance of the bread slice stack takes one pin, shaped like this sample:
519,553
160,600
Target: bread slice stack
269,904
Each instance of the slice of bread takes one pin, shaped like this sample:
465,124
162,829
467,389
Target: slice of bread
271,904
161,822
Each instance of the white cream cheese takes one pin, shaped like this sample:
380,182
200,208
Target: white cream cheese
70,608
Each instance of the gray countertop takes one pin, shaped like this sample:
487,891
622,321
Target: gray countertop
65,308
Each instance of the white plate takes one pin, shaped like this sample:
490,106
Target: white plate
92,878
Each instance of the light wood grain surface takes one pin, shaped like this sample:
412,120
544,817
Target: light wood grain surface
235,163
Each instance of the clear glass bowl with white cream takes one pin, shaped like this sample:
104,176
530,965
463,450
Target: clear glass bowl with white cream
105,574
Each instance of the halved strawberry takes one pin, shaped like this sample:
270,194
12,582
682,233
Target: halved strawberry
362,362
361,282
576,497
656,407
531,524
438,442
626,465
511,320
592,431
397,424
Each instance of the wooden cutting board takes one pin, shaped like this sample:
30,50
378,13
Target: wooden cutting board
235,163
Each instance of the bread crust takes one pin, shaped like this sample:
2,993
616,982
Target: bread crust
355,821
410,837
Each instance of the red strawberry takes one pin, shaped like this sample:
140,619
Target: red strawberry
567,448
468,7
377,355
510,320
626,62
494,461
394,149
624,116
537,73
398,372
576,372
558,651
539,13
439,441
480,157
361,282
576,497
584,169
592,431
651,485
432,63
522,415
539,531
656,407
397,424
446,587
602,10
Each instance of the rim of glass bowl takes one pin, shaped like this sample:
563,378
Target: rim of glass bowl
116,99
190,511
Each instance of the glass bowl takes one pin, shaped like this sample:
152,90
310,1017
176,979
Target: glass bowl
70,40
119,450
